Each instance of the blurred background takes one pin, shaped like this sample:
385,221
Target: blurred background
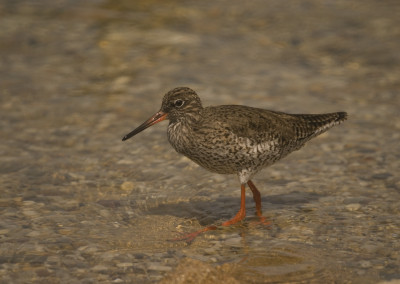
78,205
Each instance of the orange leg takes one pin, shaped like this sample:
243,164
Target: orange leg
242,211
257,200
256,197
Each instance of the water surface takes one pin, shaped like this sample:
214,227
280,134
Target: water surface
78,205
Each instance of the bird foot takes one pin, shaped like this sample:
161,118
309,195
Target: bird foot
188,238
191,236
261,221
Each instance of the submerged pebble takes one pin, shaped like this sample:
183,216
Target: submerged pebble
79,205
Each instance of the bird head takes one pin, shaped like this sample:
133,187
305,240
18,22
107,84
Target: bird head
179,104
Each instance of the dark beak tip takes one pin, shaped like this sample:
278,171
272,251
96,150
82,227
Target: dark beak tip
159,116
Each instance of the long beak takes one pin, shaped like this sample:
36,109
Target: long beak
159,116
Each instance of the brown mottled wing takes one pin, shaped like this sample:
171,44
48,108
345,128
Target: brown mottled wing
261,125
255,124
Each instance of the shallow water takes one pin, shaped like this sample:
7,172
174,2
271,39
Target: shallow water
78,205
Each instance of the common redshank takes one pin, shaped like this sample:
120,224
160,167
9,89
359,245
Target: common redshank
234,139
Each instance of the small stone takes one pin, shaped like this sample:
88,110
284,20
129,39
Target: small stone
127,186
210,250
4,231
76,176
104,213
234,242
158,267
120,83
28,203
100,268
30,213
109,203
353,206
88,249
65,231
125,264
33,234
365,264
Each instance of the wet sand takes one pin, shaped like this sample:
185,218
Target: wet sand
78,205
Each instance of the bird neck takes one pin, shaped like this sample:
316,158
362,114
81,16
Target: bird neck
180,132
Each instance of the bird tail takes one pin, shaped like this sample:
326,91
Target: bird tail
316,124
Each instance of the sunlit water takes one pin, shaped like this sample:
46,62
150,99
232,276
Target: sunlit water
79,205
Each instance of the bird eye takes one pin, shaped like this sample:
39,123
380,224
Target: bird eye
178,103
